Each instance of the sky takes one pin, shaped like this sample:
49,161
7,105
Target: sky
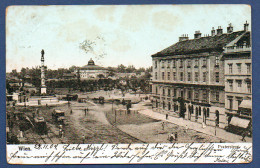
115,34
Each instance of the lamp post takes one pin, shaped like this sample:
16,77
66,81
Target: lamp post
113,109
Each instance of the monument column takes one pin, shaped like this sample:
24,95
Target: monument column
43,86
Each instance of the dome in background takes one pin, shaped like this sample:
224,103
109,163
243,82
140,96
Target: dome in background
91,62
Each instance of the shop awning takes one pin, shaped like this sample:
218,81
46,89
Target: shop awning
239,122
246,104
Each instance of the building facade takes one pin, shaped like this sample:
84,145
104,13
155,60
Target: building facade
92,71
188,77
238,77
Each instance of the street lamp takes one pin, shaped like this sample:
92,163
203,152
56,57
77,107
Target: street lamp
113,109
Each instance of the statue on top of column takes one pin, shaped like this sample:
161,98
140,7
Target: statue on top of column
42,52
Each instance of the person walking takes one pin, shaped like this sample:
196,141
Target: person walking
167,116
85,110
163,126
186,128
176,136
171,137
83,139
60,132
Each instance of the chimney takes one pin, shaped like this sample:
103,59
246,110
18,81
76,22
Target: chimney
219,31
184,37
230,28
197,34
246,26
213,32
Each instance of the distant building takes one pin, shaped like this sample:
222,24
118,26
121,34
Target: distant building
68,76
125,75
189,77
92,71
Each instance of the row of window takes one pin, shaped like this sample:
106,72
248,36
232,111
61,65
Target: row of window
189,76
174,62
239,69
239,85
189,94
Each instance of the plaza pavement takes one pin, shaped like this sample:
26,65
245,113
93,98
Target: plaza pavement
220,133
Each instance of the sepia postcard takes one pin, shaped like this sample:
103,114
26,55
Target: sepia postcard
108,84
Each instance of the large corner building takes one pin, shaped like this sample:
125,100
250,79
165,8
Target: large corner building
189,76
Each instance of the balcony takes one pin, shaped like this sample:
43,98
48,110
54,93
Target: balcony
235,49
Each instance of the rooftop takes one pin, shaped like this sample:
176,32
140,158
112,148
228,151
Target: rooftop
202,44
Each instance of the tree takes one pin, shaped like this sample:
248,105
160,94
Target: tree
100,76
14,72
130,69
73,68
121,68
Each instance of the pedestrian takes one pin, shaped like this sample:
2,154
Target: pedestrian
176,136
85,110
171,137
83,139
60,134
186,128
162,125
70,111
167,116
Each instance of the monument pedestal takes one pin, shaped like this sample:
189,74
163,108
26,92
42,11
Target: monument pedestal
43,90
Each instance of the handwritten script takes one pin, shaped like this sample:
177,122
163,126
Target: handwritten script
130,153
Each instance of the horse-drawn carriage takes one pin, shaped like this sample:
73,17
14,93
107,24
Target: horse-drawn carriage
58,116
